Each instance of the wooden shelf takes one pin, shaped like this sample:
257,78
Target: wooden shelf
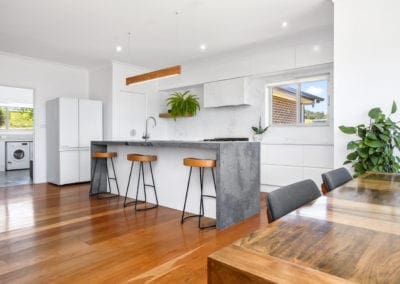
168,115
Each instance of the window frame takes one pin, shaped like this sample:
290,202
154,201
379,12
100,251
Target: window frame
298,82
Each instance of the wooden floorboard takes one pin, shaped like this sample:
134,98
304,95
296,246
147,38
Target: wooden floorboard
51,234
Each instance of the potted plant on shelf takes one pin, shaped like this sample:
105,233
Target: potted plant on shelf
183,104
374,149
258,131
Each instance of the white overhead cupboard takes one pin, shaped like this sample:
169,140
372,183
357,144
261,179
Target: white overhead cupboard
71,124
231,92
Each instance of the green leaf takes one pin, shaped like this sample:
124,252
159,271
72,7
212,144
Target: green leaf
384,137
379,126
347,162
352,145
363,153
352,156
374,160
374,113
373,143
394,107
372,136
348,130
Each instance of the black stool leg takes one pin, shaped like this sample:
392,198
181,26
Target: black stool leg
154,184
127,188
186,195
144,183
110,195
92,179
108,177
115,176
213,176
145,188
206,195
137,188
201,210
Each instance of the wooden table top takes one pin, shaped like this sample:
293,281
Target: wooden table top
350,234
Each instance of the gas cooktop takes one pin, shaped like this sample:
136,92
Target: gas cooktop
227,139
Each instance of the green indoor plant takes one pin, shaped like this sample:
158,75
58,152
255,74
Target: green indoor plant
374,149
183,104
258,131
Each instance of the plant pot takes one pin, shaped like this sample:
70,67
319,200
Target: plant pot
257,137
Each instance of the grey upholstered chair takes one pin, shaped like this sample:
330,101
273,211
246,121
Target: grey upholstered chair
334,179
288,198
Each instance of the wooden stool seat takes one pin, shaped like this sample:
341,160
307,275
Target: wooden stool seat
104,155
141,158
199,163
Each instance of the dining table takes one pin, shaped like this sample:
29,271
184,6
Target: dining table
351,234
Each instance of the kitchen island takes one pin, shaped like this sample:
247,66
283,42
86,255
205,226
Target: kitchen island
237,175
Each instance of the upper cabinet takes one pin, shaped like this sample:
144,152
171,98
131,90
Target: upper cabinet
231,92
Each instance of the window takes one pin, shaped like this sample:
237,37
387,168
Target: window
304,102
15,117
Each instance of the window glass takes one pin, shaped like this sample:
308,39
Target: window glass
314,102
284,104
3,113
300,103
20,118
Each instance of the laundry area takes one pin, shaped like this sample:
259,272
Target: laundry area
16,136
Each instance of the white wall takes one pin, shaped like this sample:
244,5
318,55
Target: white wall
280,60
100,88
367,61
126,107
48,80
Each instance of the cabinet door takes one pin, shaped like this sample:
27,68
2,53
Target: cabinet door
90,122
68,123
230,92
69,167
84,165
129,119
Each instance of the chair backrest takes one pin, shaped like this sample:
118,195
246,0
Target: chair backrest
336,178
288,198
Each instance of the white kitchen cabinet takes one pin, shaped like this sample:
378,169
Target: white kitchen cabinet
231,92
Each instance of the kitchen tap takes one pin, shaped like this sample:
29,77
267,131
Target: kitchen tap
146,134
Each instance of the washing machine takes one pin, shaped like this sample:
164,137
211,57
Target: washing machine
17,155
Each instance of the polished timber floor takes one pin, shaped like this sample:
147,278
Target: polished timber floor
57,234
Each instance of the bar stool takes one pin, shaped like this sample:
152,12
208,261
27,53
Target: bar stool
105,156
141,159
202,164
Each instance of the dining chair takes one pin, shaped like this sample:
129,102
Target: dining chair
334,179
288,198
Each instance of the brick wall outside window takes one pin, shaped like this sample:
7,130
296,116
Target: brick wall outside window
283,111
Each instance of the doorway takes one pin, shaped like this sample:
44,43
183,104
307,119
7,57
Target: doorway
16,136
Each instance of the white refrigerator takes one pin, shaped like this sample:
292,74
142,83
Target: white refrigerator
71,124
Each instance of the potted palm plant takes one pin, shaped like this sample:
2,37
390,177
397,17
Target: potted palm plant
183,104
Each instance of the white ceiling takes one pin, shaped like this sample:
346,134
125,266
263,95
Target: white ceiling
86,32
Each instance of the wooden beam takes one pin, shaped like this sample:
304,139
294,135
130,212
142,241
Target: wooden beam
170,71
